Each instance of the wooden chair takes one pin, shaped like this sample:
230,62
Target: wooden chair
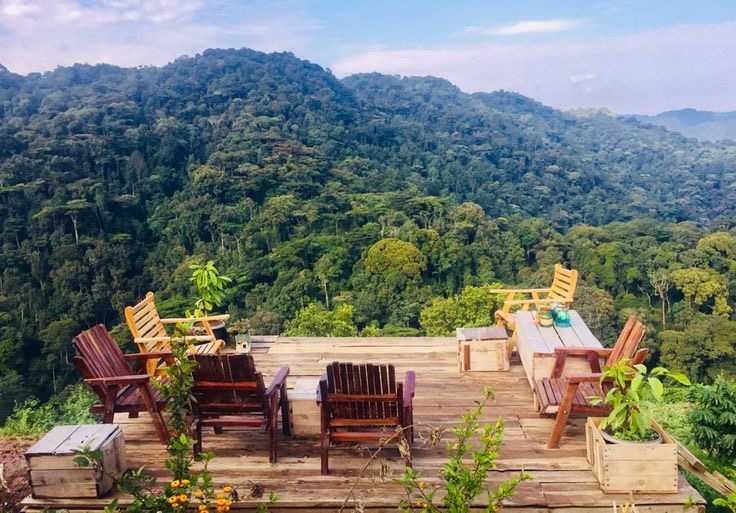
229,392
562,291
567,397
120,389
364,403
149,332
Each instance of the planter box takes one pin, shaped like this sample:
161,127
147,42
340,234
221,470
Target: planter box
632,467
53,473
482,349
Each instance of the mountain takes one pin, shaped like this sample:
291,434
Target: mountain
113,180
700,124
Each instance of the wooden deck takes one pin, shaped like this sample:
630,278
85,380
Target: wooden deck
562,481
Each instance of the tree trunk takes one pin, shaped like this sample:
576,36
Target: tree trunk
327,296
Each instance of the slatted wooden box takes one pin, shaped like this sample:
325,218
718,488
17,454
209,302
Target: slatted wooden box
53,473
304,412
632,467
482,349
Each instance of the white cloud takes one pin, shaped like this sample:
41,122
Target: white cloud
528,27
647,72
44,34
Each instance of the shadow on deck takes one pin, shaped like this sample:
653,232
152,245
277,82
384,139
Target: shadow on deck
562,481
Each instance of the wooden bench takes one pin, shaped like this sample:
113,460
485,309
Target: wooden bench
536,345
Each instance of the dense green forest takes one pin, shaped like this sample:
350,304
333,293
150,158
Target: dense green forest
363,202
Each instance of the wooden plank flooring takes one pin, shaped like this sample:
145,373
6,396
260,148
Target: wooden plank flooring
562,481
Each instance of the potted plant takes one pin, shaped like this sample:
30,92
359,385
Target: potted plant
628,450
239,330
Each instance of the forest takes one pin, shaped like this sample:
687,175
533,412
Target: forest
369,205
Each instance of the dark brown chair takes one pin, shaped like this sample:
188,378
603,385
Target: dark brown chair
570,396
229,392
364,403
120,389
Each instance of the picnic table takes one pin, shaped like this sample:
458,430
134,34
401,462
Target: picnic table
536,345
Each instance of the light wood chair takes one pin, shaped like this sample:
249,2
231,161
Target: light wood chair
570,396
149,332
561,291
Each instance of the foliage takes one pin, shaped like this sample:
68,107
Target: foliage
316,321
210,285
635,391
728,502
474,306
713,419
30,418
465,473
701,285
287,177
393,256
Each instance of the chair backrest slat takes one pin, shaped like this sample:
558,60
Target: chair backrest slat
99,356
362,391
144,322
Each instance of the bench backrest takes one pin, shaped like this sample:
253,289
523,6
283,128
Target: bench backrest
563,285
228,384
363,391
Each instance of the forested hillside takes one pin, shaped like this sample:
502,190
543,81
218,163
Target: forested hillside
112,181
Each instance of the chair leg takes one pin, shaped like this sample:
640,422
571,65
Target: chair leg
285,418
158,419
324,452
197,430
273,428
563,413
109,405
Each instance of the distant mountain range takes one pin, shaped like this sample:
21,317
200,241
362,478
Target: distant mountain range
700,124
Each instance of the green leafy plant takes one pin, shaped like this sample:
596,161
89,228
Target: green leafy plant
729,502
472,455
210,286
635,392
713,419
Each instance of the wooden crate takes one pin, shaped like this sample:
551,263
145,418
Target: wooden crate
53,473
482,349
304,413
632,467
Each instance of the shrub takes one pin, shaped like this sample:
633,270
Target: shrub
316,321
474,306
713,419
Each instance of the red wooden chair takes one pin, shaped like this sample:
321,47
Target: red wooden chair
229,392
364,403
567,397
120,389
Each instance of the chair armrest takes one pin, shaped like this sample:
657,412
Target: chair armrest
531,301
520,291
591,353
584,378
119,380
583,351
278,380
410,381
174,320
193,338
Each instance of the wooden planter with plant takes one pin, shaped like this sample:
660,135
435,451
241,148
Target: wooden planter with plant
629,451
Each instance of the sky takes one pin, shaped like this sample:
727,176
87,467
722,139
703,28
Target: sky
644,56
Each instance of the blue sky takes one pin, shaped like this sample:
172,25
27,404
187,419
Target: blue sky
643,57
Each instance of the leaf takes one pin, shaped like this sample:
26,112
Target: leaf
657,388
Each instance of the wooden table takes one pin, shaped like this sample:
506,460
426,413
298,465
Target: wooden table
536,345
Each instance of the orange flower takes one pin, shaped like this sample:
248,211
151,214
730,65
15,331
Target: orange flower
183,497
175,483
198,494
227,489
185,482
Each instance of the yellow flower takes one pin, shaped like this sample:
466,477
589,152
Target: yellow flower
198,494
221,501
220,496
175,483
227,489
183,497
202,507
421,485
185,482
